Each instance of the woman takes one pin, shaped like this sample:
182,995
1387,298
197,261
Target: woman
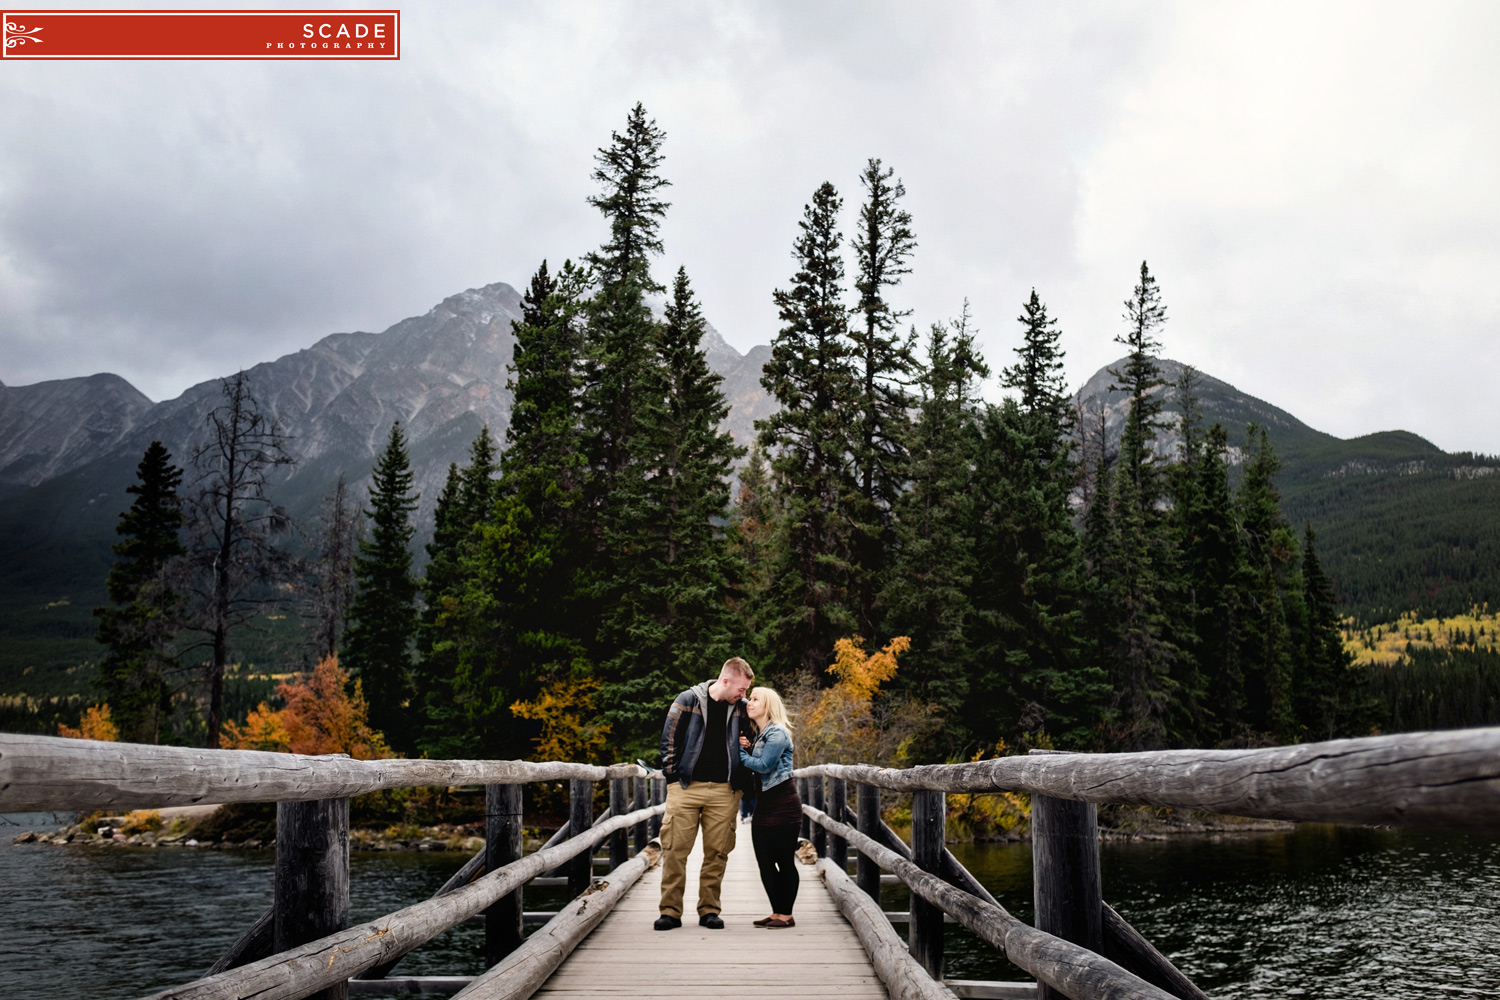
778,810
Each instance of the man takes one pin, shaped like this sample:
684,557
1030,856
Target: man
699,754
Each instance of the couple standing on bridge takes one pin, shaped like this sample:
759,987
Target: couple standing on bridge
715,742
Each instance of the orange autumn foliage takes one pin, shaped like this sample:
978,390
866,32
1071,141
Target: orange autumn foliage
571,729
840,724
95,725
324,713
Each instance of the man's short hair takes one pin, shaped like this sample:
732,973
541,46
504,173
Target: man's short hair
739,666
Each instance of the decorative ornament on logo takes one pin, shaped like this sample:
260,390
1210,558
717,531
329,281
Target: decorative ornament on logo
19,34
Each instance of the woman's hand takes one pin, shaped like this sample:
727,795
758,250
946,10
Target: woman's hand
744,743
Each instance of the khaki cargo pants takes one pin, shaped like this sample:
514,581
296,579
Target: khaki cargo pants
714,806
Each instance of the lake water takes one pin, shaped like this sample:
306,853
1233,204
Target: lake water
1323,911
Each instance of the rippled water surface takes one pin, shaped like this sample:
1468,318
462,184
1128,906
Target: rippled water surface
1322,912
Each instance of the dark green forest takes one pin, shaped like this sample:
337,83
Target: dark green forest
1062,587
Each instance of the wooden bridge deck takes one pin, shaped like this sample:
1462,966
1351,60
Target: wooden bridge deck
820,957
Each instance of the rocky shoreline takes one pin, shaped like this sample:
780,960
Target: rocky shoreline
204,828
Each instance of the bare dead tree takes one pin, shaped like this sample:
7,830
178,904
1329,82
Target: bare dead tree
233,562
331,590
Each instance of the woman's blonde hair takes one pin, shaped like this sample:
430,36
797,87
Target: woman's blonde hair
775,707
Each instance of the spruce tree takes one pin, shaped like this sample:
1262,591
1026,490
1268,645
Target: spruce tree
812,377
378,644
1330,693
519,610
883,244
139,630
928,586
669,624
1270,554
1132,579
1032,640
1213,595
467,499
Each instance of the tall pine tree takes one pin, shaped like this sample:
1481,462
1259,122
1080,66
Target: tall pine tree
379,642
813,379
883,244
139,630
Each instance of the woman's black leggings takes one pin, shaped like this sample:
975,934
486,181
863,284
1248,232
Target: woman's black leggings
776,853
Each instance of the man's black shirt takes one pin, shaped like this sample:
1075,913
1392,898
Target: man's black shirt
713,759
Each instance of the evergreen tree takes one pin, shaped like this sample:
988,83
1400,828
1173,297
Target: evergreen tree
467,499
753,535
138,632
883,244
1032,640
1213,565
233,564
378,644
669,624
519,611
1330,692
1038,376
813,379
1132,579
1270,554
927,589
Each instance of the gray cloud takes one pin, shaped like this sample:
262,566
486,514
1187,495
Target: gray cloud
1313,186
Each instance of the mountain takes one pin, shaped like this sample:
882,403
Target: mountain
70,447
1401,524
52,427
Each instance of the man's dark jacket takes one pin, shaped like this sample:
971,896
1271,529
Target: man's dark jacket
682,736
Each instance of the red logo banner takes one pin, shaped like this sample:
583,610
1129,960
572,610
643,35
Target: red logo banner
201,34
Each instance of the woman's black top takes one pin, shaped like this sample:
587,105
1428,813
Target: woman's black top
778,805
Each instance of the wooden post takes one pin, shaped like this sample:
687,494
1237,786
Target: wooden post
619,845
929,816
867,873
312,876
642,837
804,792
838,847
820,835
502,845
581,868
1065,863
658,796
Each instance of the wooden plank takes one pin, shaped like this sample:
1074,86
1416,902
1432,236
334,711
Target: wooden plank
338,957
408,986
525,969
1444,780
625,957
41,773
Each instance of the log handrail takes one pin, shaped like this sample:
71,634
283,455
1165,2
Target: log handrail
40,773
1443,780
340,956
1075,971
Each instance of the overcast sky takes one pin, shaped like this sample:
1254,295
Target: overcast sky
1315,185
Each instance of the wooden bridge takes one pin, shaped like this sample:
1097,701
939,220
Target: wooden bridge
601,943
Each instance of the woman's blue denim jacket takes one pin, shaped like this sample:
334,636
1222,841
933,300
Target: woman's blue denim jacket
770,756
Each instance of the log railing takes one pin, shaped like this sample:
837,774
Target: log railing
1081,947
316,953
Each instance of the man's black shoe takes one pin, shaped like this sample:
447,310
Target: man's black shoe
712,921
666,922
